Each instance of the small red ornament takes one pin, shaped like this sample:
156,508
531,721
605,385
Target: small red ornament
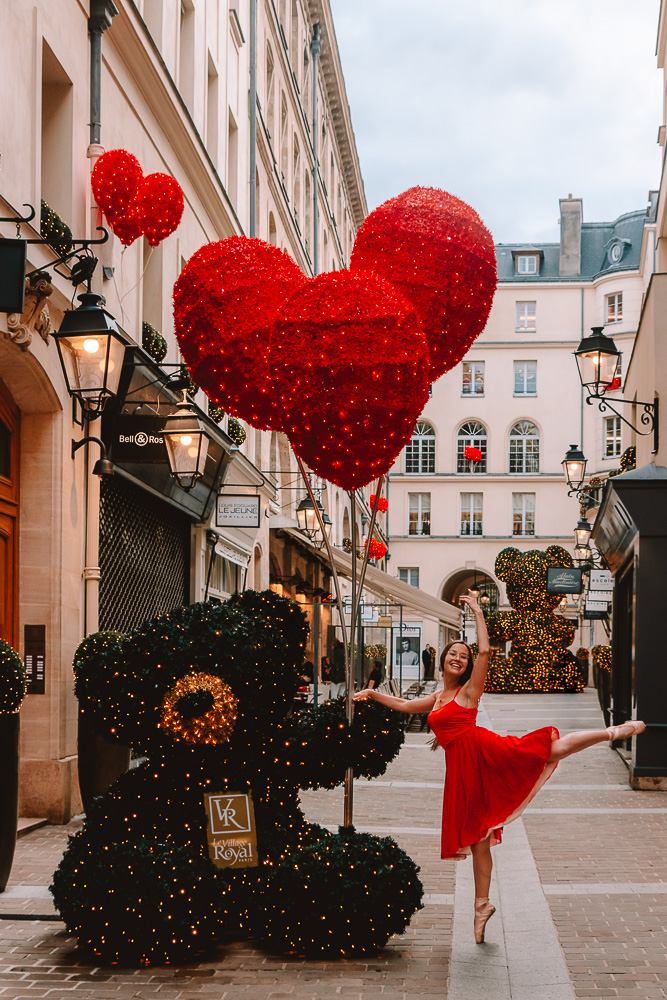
225,302
438,253
159,206
376,550
383,503
473,454
114,180
614,384
337,345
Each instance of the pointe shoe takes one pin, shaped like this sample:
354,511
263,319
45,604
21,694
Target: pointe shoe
484,910
625,730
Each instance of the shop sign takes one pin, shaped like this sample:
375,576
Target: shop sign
599,596
137,439
564,580
593,616
385,621
601,579
230,830
237,511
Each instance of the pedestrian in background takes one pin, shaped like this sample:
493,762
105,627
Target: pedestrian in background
337,671
376,675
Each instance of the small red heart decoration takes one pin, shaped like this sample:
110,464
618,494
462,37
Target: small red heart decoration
225,302
439,254
159,201
114,180
350,368
135,205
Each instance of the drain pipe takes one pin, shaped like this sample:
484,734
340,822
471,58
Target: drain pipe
253,118
101,13
315,46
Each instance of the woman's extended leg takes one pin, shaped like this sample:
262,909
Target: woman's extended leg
583,738
482,866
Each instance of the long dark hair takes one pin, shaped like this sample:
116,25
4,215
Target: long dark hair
467,673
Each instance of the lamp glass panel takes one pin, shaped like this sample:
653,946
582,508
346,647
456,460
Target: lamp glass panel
582,552
575,471
186,451
597,367
92,363
582,535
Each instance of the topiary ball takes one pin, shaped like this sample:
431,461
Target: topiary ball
343,897
439,254
13,682
350,369
166,903
225,302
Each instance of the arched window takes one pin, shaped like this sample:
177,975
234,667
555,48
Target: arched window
306,213
472,434
284,152
420,452
270,98
273,236
524,447
296,186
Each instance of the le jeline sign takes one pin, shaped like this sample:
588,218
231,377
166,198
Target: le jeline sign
565,580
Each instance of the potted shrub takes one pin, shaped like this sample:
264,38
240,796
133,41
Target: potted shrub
12,692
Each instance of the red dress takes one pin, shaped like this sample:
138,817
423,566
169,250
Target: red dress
489,779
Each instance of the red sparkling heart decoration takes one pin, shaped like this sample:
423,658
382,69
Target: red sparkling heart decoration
226,300
439,254
350,368
115,179
135,205
159,202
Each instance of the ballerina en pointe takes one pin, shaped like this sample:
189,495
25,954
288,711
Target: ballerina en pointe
626,730
484,910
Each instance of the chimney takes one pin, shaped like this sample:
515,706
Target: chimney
571,212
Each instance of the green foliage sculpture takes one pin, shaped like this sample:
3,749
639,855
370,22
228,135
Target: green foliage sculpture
206,693
538,659
12,679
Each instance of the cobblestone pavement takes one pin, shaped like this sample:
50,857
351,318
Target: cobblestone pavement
586,868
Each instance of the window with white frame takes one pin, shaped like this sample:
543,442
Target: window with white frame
409,574
524,447
471,514
472,434
526,263
523,513
612,437
419,513
615,307
473,378
420,452
525,378
526,314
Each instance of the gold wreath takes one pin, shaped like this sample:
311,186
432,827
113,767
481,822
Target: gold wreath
215,726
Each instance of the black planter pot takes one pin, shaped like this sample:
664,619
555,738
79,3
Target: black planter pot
9,792
100,763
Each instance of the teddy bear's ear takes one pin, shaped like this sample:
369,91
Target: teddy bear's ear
506,562
558,557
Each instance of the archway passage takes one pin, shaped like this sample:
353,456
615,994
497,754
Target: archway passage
10,423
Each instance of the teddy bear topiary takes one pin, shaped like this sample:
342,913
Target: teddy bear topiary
538,659
205,695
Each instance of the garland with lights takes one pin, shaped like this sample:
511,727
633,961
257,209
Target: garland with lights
236,431
13,682
216,413
601,656
56,232
153,342
378,651
438,253
206,694
538,659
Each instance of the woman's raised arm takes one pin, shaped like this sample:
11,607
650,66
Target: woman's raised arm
411,706
472,689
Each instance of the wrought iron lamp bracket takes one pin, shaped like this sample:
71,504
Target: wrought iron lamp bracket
648,417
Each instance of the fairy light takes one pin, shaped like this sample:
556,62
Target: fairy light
206,694
538,658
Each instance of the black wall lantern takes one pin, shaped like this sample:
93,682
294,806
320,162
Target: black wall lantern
91,351
582,533
186,440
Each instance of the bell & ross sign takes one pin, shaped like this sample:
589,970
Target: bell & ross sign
137,439
230,830
237,511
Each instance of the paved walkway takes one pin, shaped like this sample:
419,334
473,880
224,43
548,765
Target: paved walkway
580,884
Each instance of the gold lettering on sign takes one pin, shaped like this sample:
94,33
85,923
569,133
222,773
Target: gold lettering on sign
230,829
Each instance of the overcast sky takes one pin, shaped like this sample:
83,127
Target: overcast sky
509,105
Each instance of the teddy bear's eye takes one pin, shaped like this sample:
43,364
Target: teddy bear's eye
200,708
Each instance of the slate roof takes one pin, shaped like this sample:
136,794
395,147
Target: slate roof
596,237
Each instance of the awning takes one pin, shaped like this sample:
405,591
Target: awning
387,589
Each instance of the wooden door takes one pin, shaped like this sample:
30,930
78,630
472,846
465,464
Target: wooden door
9,512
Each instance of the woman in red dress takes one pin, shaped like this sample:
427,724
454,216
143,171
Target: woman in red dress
489,779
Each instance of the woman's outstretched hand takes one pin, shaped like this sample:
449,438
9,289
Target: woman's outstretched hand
359,695
471,601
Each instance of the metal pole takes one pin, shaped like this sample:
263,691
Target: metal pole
400,653
253,118
316,650
315,46
349,666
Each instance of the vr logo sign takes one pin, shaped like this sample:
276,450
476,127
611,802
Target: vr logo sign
231,833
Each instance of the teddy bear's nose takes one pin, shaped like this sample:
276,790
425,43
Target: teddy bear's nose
200,708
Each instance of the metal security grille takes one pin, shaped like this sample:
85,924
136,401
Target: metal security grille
144,556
